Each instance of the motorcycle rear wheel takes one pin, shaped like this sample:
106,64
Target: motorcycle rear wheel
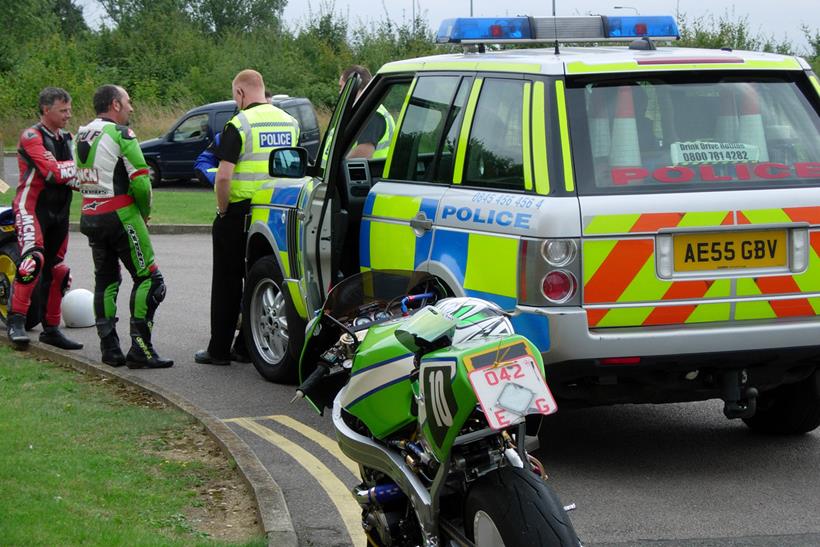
515,508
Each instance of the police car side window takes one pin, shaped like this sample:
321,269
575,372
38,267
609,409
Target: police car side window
425,122
447,153
495,154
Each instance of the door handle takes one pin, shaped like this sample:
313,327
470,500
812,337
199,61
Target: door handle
421,223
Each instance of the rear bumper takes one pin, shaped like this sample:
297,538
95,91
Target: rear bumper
684,363
571,339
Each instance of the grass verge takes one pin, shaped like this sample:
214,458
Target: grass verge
89,462
169,207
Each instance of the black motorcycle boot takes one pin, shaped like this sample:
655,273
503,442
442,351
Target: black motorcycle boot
53,336
17,330
110,342
142,354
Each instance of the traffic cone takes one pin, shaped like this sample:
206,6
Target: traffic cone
750,127
726,126
599,133
625,150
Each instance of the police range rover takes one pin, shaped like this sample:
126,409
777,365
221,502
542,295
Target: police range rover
650,213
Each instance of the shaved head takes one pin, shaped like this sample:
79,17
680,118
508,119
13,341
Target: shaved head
250,79
248,88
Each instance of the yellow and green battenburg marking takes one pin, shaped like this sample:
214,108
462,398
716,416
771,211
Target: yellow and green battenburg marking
392,246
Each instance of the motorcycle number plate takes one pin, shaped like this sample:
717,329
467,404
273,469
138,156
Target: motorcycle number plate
510,391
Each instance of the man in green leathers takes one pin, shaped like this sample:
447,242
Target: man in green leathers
243,152
116,191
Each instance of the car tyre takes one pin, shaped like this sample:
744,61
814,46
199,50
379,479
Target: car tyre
274,333
154,173
791,409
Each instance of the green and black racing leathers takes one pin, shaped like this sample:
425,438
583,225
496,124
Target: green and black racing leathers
116,191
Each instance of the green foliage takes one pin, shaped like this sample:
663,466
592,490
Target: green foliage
728,31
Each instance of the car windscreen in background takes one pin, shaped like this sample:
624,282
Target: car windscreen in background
692,132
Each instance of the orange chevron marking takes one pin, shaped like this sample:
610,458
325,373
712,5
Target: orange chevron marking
666,315
741,218
784,284
618,270
729,219
804,214
652,222
669,315
814,239
594,316
687,289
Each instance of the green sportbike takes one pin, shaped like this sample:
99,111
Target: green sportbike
429,395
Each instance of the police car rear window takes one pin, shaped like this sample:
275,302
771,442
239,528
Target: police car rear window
668,133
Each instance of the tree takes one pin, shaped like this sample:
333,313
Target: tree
70,16
223,16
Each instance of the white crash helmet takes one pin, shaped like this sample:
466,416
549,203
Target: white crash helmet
476,318
78,308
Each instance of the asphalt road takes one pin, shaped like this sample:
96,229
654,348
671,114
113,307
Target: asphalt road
640,475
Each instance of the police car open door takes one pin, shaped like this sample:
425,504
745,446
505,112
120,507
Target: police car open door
321,221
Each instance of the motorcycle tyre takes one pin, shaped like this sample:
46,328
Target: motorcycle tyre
9,256
266,270
523,508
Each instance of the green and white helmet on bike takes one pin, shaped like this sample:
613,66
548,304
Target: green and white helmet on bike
476,318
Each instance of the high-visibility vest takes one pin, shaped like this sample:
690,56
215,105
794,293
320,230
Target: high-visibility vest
382,147
262,128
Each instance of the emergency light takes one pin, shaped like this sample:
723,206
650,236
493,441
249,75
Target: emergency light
521,29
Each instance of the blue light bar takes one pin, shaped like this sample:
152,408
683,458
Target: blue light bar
636,26
491,29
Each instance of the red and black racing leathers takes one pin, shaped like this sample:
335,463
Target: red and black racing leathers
41,208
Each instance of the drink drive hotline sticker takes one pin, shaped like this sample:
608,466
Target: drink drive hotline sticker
509,392
696,152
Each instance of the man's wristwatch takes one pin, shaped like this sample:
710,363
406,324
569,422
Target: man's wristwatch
220,212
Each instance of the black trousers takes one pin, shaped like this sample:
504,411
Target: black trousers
228,279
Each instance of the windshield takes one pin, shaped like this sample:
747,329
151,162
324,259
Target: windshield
685,132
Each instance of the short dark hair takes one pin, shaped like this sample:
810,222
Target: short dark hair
359,70
104,96
50,95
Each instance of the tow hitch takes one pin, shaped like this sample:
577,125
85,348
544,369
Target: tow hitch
739,399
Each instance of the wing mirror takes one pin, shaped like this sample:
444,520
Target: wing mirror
290,163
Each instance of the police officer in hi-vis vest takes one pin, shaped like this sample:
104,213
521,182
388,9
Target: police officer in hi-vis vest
243,151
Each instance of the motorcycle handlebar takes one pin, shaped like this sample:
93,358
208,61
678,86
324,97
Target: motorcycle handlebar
310,382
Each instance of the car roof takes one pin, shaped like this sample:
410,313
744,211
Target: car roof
599,59
231,105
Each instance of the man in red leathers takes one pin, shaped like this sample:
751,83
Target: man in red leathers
41,207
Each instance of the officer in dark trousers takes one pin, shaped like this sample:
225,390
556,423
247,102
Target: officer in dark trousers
243,151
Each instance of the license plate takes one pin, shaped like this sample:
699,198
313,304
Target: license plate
730,250
510,391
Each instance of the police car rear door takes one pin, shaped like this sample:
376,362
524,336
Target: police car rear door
398,216
491,202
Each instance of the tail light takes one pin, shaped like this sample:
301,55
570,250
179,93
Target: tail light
548,272
559,252
559,286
